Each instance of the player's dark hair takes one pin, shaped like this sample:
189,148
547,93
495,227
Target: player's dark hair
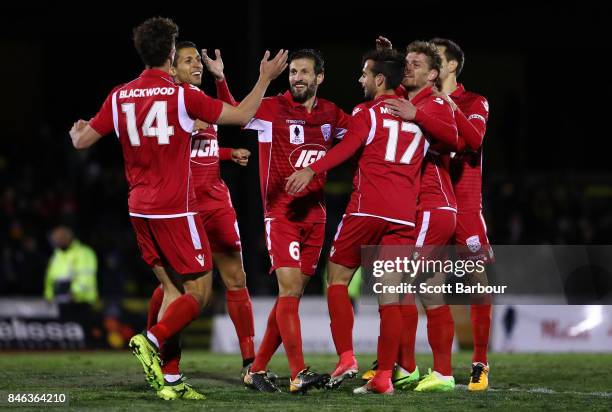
314,55
388,62
433,58
154,40
185,44
452,52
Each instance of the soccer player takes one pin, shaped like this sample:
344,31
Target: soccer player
382,209
294,129
214,207
471,114
435,216
153,118
436,219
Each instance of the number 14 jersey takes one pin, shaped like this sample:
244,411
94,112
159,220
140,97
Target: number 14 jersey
153,118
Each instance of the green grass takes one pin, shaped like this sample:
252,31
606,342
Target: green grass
108,381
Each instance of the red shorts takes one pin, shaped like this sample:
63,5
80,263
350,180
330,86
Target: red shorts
294,244
221,227
179,242
356,231
435,227
471,237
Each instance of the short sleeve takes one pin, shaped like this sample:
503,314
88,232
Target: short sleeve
103,122
201,106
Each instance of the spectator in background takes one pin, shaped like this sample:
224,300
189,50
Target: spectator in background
71,273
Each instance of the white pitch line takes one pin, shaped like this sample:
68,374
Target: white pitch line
547,391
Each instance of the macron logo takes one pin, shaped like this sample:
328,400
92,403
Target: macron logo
439,100
200,259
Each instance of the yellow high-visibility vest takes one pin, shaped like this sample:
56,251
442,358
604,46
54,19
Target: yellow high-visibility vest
78,266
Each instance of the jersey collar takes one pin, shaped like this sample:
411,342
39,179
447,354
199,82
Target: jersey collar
458,91
426,92
156,73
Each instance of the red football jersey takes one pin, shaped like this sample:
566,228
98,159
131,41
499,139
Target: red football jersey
387,179
436,119
211,191
153,118
290,139
466,167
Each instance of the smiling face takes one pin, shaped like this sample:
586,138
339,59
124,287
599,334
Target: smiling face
417,73
303,81
188,66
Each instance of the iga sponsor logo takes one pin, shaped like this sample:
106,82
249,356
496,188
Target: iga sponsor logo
205,148
306,155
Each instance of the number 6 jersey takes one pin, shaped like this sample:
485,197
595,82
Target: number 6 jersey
153,118
291,139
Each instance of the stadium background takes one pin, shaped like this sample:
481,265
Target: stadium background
546,177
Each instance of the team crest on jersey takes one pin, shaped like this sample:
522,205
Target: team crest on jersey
326,130
296,134
473,243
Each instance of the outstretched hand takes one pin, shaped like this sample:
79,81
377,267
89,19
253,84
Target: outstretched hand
299,180
215,67
271,69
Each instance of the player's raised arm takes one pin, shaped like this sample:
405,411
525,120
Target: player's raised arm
269,70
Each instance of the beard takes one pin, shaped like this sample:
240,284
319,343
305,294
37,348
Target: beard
301,97
368,94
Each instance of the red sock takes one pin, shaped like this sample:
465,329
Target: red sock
410,320
270,342
241,312
389,339
440,332
341,316
154,306
170,355
481,325
179,314
288,320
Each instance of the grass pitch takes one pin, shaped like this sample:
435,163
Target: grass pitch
113,381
